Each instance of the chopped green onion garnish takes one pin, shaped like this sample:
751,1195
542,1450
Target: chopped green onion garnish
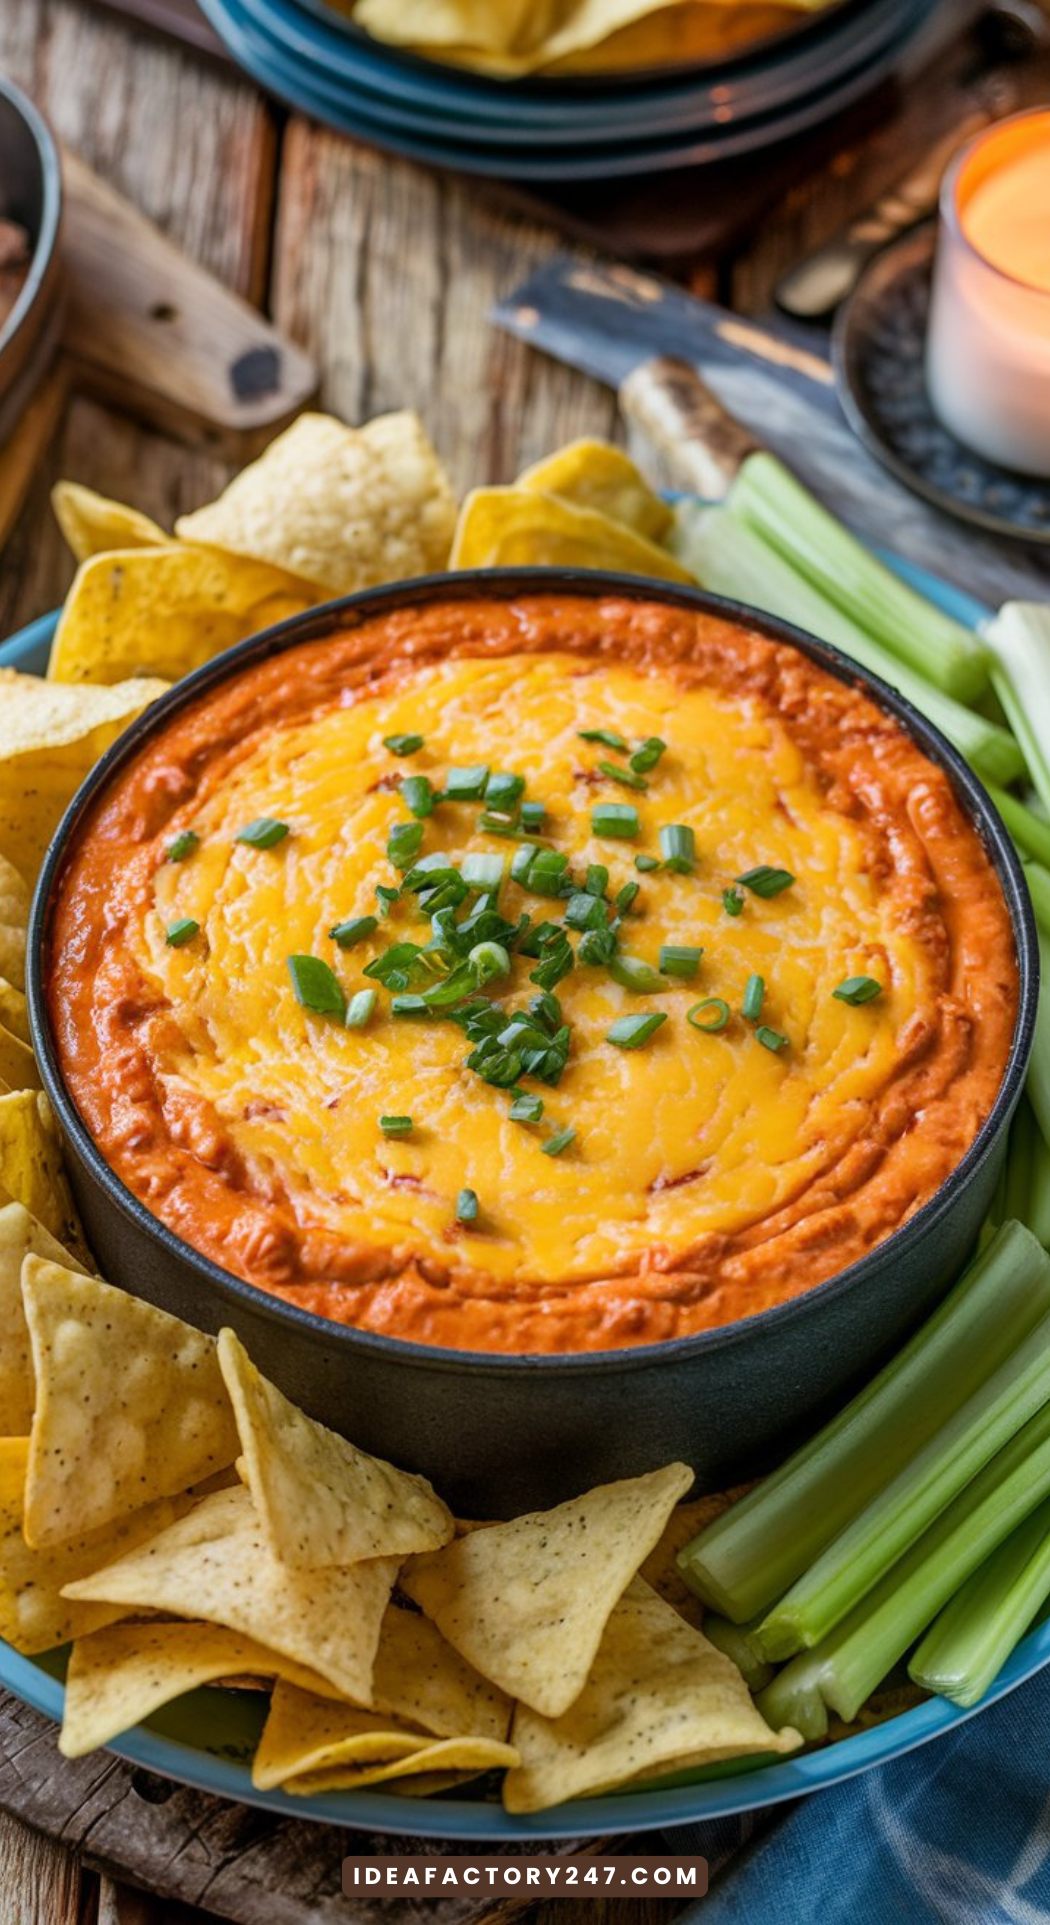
409,1006
598,946
630,1032
396,1125
467,1207
360,1007
403,843
403,744
496,822
418,795
732,902
647,754
526,1108
503,791
679,959
354,930
558,1142
316,986
711,1016
544,871
645,864
482,872
393,967
678,848
771,1038
557,960
386,898
488,960
626,776
532,814
180,932
764,881
754,996
183,845
632,973
586,912
626,896
858,989
429,874
618,819
607,737
265,833
466,785
597,879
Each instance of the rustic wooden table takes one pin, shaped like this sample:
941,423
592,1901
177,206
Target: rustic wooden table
386,273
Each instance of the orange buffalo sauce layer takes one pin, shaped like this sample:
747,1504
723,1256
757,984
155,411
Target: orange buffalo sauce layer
710,1176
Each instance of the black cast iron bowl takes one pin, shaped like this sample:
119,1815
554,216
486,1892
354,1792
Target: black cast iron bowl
31,195
498,1434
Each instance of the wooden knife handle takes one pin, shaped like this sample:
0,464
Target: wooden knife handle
700,443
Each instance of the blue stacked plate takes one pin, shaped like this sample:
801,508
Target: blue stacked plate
557,131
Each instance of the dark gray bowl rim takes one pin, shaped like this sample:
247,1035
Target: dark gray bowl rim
45,240
505,584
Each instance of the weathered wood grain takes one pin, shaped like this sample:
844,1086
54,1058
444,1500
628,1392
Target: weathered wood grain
40,1882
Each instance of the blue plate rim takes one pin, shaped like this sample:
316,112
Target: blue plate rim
462,1819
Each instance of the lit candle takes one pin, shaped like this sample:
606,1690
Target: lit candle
988,352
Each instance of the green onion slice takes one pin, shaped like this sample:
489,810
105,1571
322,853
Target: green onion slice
526,1108
627,776
503,791
645,864
354,930
467,1207
181,932
418,795
183,845
482,872
386,898
403,843
597,879
630,1032
607,737
466,785
265,833
647,754
765,881
316,986
403,744
680,959
558,1142
487,961
678,848
754,996
532,814
858,989
409,1006
711,1016
619,819
626,897
771,1038
360,1007
732,902
396,1125
632,973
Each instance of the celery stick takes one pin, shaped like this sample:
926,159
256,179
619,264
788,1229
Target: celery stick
884,1529
731,559
1019,638
1018,1169
770,500
1038,1084
967,1646
845,1668
747,1558
1039,1201
1029,831
735,1641
1038,880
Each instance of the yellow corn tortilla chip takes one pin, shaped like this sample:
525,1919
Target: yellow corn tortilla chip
333,1747
119,1676
164,611
594,474
130,1403
682,31
91,523
50,736
421,1680
34,1616
345,508
14,921
14,1010
20,1236
521,528
521,38
17,1063
321,1501
658,1695
31,1170
526,1602
216,1565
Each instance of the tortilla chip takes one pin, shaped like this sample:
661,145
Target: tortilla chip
594,474
34,1616
521,528
17,1063
421,1680
528,36
321,1501
333,1747
118,1677
684,31
92,523
164,611
658,1695
216,1565
685,1522
50,736
20,1236
526,1602
345,508
14,1010
31,1170
14,921
130,1403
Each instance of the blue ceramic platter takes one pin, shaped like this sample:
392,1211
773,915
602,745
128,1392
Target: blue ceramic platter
206,1739
311,87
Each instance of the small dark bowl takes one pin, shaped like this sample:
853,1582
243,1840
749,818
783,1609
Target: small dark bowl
31,195
498,1434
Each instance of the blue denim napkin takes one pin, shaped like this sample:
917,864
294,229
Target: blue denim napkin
955,1833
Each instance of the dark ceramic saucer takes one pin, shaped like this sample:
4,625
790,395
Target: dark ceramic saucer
878,346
